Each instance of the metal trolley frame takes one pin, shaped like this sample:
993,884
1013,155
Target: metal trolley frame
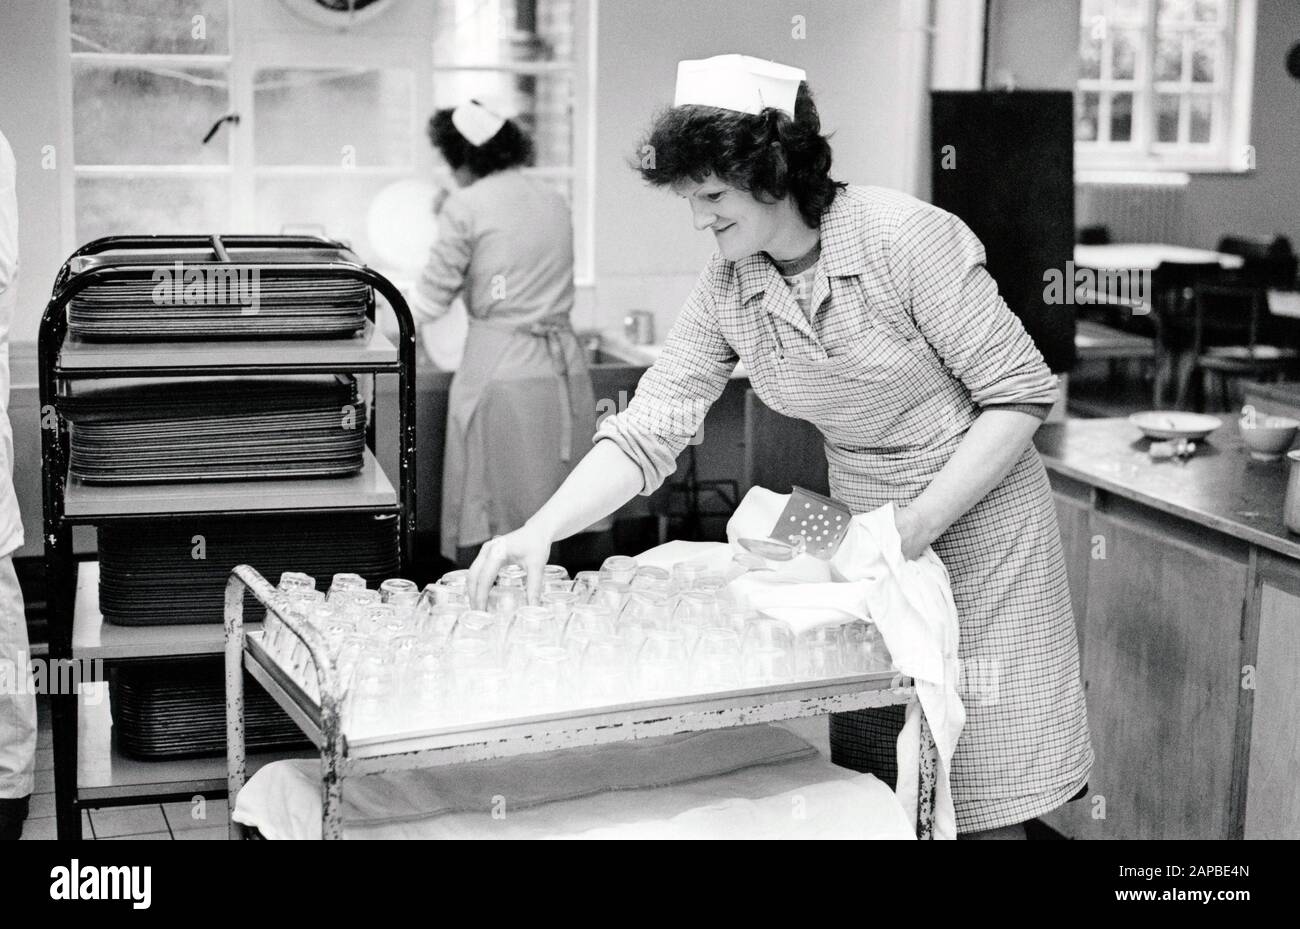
339,759
225,358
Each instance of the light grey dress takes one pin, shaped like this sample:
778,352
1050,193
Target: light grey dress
905,342
521,410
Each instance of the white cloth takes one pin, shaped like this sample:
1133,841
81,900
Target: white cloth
17,696
758,782
11,524
17,701
911,604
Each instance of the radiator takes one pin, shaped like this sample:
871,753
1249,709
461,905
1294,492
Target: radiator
1135,212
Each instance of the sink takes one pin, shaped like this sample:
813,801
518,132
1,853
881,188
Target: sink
603,352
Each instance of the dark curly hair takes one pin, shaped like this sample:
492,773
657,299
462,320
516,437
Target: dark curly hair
765,153
509,148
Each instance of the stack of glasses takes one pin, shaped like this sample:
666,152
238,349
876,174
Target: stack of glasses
410,660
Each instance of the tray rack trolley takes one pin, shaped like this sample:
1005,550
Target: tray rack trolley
67,502
322,721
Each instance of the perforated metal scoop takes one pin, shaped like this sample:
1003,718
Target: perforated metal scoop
809,523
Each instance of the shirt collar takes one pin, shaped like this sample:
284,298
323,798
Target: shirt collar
842,254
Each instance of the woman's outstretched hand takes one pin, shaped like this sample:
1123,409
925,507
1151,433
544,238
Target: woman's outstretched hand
527,546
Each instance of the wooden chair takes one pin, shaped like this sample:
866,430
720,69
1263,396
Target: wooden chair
1229,325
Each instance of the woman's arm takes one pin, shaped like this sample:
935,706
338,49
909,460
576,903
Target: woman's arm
635,450
989,450
603,481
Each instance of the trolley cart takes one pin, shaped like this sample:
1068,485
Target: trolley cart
339,758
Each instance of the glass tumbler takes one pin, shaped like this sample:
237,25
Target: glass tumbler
561,603
819,653
642,612
548,678
586,622
481,626
715,663
619,568
584,585
767,651
661,664
397,585
686,574
604,665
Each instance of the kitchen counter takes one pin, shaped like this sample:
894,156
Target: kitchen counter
1220,487
1186,593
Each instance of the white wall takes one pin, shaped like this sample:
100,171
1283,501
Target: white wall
33,81
647,254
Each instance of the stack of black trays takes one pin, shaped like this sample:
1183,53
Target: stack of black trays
177,709
157,430
185,294
177,571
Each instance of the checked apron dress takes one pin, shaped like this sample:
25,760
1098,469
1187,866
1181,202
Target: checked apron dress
906,342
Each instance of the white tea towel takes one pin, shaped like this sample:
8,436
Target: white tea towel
755,518
713,557
911,603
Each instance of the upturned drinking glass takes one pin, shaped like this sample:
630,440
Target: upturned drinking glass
296,580
611,594
345,583
560,603
584,585
819,653
479,625
662,668
619,568
504,601
655,580
642,612
548,677
586,622
686,574
767,651
603,661
512,575
716,661
397,585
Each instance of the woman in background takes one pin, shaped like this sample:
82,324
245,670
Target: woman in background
521,408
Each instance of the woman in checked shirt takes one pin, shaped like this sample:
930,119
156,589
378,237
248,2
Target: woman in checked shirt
869,314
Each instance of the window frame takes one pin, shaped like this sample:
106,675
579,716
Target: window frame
1229,152
251,50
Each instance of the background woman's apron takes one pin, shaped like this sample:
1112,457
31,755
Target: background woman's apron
1025,749
521,414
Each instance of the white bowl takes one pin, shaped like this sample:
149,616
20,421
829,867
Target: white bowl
1269,437
1174,424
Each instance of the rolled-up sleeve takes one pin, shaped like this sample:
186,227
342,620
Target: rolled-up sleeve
937,267
444,273
674,395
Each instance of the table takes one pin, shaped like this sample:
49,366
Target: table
1147,256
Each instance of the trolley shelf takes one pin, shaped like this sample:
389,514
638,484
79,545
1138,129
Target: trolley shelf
369,489
580,726
105,776
368,352
92,638
344,755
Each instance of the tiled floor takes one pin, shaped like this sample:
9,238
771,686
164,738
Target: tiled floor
185,820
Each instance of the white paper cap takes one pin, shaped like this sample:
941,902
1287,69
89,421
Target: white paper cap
738,82
476,122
